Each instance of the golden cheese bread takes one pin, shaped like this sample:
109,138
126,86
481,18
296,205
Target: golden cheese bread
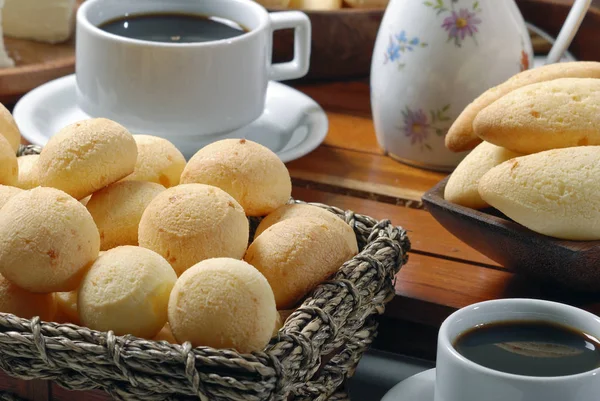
9,167
47,240
461,187
126,290
303,210
548,115
193,222
25,304
86,156
223,303
7,192
118,208
553,192
461,135
158,161
66,307
28,175
9,129
297,254
246,170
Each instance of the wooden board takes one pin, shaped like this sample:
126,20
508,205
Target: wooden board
36,64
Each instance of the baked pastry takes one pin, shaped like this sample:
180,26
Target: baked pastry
87,156
25,304
9,168
118,208
302,210
28,174
223,303
461,188
7,192
193,222
249,172
165,334
66,307
297,254
9,129
553,192
127,290
47,240
461,135
556,114
158,161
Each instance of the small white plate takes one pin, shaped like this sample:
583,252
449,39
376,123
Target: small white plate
292,124
420,387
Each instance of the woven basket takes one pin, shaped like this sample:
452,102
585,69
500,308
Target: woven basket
318,347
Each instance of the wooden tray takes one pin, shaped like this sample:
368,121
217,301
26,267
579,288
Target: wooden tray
570,264
36,64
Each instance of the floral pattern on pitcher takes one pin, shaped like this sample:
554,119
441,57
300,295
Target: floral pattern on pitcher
400,44
418,126
460,23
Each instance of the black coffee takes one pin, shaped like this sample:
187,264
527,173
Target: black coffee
173,28
530,348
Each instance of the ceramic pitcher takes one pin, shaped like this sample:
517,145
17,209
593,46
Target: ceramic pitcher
432,58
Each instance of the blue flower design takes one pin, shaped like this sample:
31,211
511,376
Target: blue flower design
401,37
399,44
393,51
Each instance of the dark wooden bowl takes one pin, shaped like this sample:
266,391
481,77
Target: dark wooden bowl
571,264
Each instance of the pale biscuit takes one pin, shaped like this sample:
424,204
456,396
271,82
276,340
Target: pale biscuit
461,188
9,129
548,115
7,192
297,254
25,304
118,208
28,174
87,156
47,240
9,167
301,210
158,161
165,334
246,170
193,222
223,303
553,192
127,291
461,135
66,307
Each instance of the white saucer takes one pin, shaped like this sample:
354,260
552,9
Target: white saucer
419,387
292,124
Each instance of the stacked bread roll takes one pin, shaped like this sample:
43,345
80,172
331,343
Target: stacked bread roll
117,232
538,157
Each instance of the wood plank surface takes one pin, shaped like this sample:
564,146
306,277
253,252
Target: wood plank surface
366,172
420,225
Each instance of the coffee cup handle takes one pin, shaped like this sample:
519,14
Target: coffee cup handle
298,67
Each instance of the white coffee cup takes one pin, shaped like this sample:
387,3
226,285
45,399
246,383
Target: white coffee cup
186,89
459,379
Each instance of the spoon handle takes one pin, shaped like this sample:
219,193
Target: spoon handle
568,30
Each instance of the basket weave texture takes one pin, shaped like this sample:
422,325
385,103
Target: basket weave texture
309,359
